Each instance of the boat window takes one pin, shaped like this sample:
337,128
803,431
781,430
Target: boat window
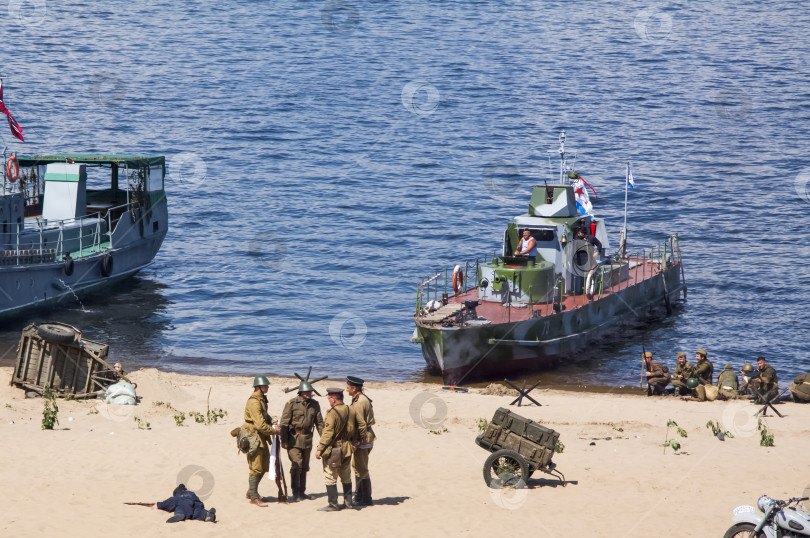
543,236
98,178
155,182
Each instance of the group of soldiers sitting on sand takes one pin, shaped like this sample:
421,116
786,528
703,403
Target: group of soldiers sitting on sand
695,381
346,440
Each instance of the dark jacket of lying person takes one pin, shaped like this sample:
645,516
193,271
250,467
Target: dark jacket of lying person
186,505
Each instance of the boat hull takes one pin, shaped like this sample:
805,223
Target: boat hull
29,287
488,351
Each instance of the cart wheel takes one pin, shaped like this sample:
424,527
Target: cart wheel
54,332
505,461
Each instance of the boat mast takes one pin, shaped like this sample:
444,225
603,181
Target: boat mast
562,157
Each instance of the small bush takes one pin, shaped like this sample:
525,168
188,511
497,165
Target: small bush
142,424
51,411
179,418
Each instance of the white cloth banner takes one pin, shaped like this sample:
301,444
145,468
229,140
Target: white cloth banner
271,475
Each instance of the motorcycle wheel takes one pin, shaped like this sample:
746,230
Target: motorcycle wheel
743,530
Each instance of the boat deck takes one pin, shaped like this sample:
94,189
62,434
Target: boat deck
640,269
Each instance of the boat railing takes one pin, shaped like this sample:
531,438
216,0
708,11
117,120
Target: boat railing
25,245
646,261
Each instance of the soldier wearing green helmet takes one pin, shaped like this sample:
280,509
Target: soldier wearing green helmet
259,424
727,384
748,373
300,417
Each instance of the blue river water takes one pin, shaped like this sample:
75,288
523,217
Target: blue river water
325,156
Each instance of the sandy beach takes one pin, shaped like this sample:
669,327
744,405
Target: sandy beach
426,468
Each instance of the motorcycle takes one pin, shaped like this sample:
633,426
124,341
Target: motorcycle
780,520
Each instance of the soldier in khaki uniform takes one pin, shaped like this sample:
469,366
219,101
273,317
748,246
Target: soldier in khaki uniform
727,384
800,388
766,385
300,417
683,371
704,372
363,439
258,423
337,431
657,375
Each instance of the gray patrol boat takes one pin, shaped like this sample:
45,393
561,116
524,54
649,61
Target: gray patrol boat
517,313
73,224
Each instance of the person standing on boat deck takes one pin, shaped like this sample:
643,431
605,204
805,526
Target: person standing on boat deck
258,423
765,386
527,246
683,371
657,375
583,235
363,440
301,416
704,372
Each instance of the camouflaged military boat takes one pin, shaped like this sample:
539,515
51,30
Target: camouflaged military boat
74,224
520,314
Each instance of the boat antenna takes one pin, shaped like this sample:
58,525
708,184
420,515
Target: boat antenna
562,157
623,239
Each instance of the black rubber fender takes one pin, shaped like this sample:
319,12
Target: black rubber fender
67,265
106,265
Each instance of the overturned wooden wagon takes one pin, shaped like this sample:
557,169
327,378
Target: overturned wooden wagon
55,355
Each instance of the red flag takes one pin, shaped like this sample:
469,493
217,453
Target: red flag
16,130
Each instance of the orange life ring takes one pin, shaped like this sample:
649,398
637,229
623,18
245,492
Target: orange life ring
12,164
458,279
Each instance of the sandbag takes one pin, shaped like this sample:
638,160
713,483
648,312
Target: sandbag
711,392
121,393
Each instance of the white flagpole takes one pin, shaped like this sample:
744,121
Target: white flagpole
624,230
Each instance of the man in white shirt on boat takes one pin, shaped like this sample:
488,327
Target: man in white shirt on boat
527,246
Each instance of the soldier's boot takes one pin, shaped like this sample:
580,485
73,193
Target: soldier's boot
332,495
367,491
302,486
253,491
294,484
347,495
211,516
358,496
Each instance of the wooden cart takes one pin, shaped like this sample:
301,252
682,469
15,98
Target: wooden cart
519,447
55,355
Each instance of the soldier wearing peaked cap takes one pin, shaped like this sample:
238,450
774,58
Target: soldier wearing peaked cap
683,371
657,375
363,440
335,450
258,424
300,417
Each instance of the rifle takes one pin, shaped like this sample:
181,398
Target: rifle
645,364
141,504
282,494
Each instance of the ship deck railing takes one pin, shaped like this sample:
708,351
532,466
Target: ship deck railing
645,264
89,244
